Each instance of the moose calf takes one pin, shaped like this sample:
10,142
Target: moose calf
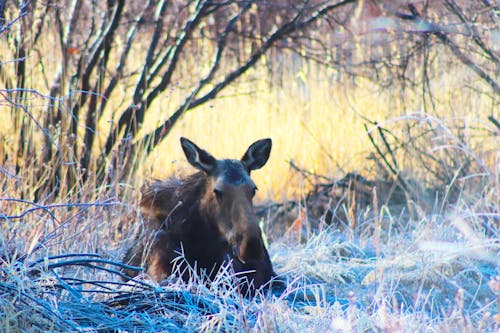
208,217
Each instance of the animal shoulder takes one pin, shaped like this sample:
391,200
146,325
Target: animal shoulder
171,197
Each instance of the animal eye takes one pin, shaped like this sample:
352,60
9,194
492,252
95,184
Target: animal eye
218,194
254,191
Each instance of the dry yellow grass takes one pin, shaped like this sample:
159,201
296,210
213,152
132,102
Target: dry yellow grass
317,123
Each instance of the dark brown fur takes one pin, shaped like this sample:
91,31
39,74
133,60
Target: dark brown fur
185,215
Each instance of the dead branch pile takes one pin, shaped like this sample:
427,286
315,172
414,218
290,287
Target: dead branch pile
71,293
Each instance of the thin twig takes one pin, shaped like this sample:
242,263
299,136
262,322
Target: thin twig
106,203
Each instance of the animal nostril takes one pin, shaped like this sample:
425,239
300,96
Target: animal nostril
218,194
236,254
247,249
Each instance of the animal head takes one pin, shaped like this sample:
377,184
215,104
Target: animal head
228,196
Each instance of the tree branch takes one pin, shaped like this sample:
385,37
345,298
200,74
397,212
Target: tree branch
156,136
128,118
427,27
123,58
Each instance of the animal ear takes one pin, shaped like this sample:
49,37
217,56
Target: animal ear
198,157
257,154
